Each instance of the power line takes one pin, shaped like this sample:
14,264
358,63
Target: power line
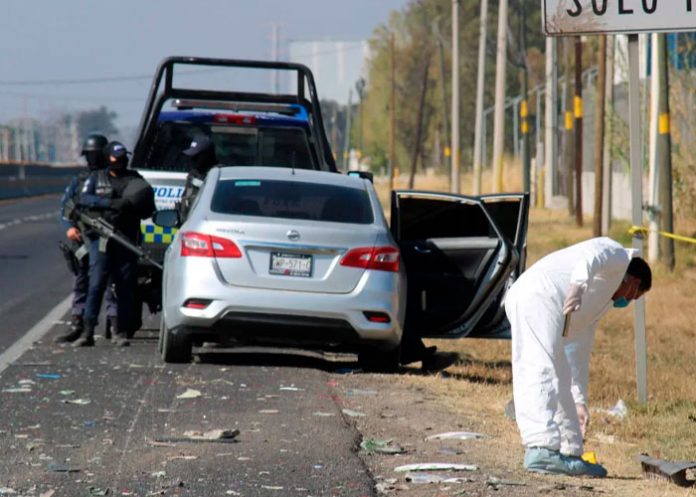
142,77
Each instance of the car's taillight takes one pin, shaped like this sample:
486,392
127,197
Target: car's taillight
201,245
197,303
381,258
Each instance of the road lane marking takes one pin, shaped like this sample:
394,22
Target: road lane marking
35,333
27,219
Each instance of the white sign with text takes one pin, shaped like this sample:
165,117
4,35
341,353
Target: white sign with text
574,17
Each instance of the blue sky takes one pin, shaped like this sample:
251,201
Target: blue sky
56,40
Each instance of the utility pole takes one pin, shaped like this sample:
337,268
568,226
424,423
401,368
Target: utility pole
568,137
346,137
664,146
550,172
443,87
578,130
454,173
419,124
653,175
606,202
499,117
599,135
392,113
480,90
524,105
360,89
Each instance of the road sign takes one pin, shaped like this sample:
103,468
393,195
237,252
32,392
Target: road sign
574,17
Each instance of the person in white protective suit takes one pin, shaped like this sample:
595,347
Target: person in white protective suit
549,371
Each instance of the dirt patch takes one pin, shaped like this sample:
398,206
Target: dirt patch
409,408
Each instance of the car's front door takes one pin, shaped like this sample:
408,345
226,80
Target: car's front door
460,253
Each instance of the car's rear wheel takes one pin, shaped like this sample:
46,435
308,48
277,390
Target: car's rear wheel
379,361
176,348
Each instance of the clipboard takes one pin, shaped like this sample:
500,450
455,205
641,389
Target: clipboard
566,325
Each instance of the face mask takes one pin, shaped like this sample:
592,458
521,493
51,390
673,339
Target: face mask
621,302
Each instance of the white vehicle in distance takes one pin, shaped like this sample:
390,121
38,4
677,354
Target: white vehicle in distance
301,258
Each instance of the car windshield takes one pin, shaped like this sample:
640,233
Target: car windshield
292,200
234,146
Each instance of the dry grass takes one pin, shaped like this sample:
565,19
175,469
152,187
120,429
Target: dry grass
665,427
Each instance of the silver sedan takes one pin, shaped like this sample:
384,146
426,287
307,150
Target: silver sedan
306,259
288,257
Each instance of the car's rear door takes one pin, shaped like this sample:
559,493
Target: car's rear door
459,256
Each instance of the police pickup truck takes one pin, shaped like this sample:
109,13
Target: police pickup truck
221,98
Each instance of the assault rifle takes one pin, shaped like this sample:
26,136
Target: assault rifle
106,231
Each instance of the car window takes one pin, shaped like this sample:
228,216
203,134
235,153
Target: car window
432,218
234,146
292,200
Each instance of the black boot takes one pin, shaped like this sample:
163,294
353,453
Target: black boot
76,328
86,338
109,327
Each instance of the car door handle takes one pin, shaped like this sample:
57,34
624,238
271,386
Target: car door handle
422,250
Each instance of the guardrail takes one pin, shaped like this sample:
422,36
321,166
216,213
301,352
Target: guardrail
18,179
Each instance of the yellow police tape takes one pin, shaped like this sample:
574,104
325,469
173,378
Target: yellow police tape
633,230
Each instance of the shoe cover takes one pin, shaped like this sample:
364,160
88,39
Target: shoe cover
542,460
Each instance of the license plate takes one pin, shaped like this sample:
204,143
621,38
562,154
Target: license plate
291,264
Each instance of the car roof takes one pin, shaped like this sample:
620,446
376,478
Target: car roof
289,174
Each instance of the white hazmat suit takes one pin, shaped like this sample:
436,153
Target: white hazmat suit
550,372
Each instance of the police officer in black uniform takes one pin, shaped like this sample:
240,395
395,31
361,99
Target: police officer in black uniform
122,198
202,153
93,152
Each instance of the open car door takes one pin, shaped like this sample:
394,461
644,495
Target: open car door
460,254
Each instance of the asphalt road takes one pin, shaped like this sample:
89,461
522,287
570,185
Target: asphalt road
33,275
111,421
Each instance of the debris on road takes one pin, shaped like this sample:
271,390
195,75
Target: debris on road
322,414
58,467
457,435
495,482
353,414
49,376
269,411
371,446
190,393
219,436
7,491
79,402
435,466
435,478
98,492
659,469
17,390
620,410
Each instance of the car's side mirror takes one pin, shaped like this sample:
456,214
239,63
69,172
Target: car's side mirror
362,174
167,218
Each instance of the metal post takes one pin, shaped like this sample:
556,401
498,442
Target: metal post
599,136
454,173
606,202
346,136
516,128
550,122
499,118
578,131
653,175
637,210
479,144
664,148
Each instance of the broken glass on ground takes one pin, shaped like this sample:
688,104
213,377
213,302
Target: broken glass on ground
372,446
435,466
190,393
457,435
218,435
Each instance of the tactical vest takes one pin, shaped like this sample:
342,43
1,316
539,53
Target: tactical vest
103,187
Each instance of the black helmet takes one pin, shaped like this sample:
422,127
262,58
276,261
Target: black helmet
94,142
